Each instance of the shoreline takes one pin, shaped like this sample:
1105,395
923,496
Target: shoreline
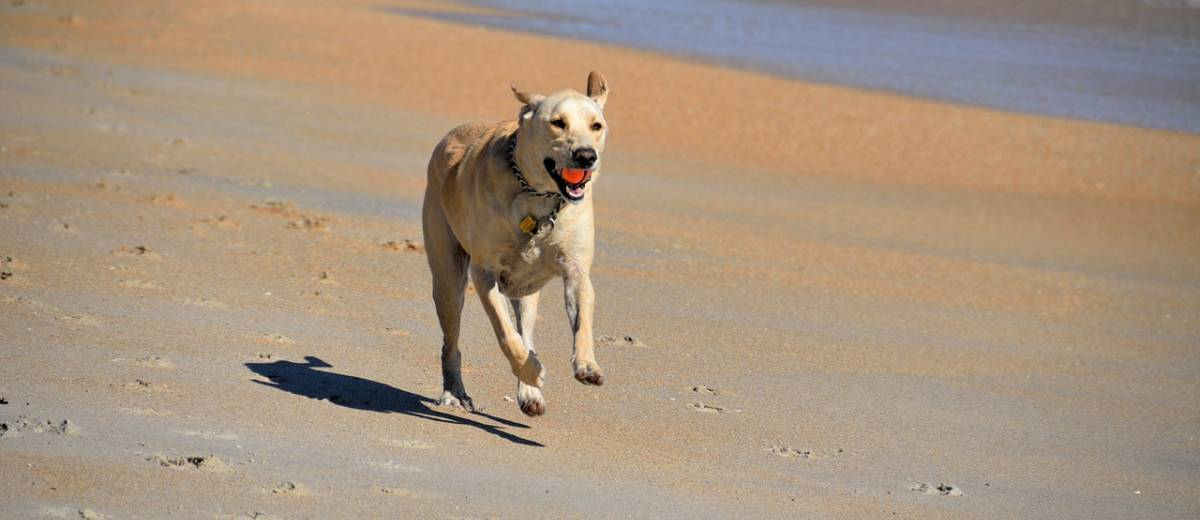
979,57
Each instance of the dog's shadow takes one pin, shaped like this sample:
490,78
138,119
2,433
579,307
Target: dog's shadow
363,394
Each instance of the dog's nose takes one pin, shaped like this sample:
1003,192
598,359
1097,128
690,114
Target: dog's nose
584,157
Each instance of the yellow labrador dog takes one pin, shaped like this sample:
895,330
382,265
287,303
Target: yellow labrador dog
512,203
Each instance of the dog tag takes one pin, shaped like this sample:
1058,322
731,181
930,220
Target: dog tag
528,224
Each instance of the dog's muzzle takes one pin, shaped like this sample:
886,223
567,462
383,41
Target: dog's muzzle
572,181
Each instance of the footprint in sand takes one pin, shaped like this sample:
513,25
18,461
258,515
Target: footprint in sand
144,412
296,220
136,252
103,185
275,207
410,246
168,200
217,222
23,424
142,385
147,361
614,341
277,339
325,278
13,199
209,463
409,444
396,491
60,226
291,488
706,408
72,512
14,264
88,514
8,266
154,362
310,223
789,452
948,490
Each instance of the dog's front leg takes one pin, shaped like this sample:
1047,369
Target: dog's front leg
524,362
580,301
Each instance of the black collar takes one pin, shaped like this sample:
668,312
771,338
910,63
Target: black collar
531,225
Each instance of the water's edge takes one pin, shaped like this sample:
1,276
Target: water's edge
1089,73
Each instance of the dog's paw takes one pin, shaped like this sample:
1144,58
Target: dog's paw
460,401
530,399
532,373
589,373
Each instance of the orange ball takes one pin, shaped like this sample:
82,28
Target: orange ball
574,175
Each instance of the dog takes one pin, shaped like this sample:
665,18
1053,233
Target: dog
511,203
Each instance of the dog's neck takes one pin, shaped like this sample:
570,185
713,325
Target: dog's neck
511,153
520,176
516,168
535,226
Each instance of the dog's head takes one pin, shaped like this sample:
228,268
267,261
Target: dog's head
563,134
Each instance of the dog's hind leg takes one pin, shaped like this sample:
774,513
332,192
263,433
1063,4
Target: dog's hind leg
524,361
448,262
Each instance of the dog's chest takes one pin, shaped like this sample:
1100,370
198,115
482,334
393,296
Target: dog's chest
524,269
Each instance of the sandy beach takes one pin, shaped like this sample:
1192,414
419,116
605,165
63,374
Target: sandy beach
812,301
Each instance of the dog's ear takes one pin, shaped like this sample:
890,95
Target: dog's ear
527,98
529,103
597,88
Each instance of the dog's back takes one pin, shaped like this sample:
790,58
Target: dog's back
453,149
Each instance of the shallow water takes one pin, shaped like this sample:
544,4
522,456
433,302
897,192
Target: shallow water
1100,73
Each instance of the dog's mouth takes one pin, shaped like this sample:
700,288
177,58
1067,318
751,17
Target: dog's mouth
571,181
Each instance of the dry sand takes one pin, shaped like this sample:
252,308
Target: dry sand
820,302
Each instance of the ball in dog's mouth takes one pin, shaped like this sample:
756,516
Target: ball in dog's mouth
571,181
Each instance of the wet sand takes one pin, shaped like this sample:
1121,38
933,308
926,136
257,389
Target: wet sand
849,306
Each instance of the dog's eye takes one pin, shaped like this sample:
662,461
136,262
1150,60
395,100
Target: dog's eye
596,127
559,123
